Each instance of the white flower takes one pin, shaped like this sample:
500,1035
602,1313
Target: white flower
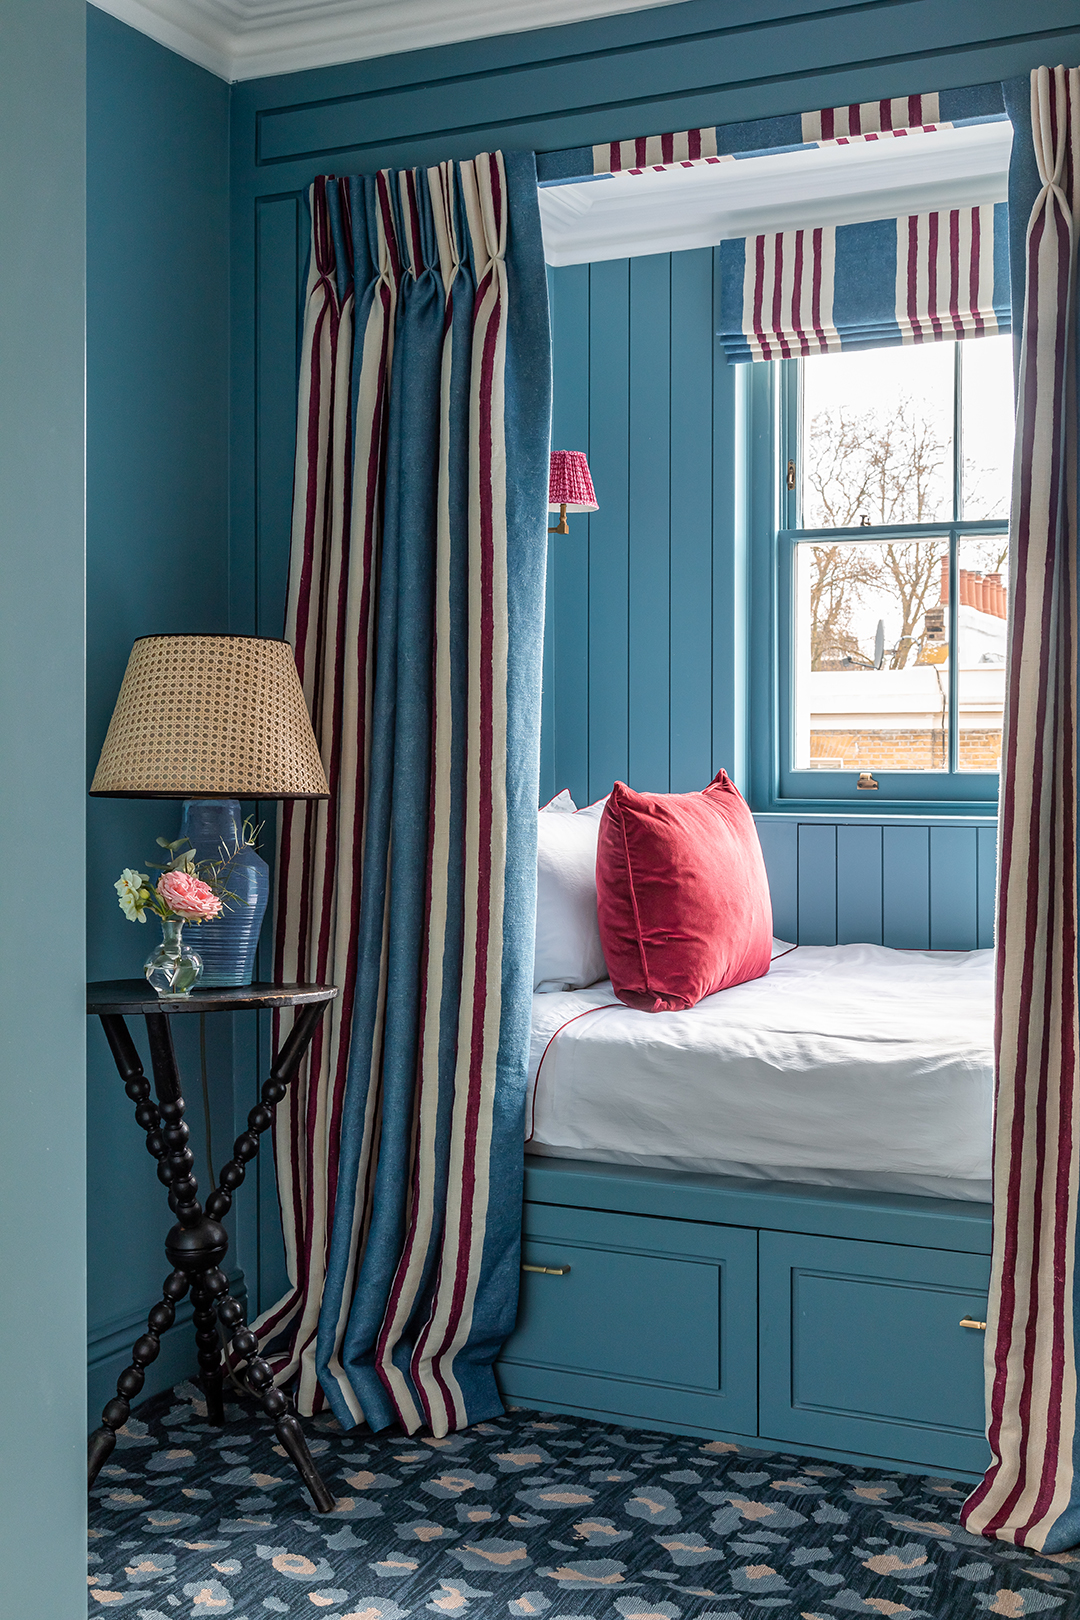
133,891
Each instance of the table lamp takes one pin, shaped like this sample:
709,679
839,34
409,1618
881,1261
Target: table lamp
211,720
569,487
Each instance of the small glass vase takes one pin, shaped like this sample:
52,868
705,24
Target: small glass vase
172,967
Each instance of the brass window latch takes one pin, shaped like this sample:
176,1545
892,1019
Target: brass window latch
791,475
970,1322
548,1271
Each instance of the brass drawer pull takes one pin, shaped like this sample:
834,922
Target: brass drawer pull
548,1271
969,1321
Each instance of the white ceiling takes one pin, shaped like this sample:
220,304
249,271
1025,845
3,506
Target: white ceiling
687,206
249,39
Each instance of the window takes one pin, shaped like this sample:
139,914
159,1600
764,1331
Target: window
898,468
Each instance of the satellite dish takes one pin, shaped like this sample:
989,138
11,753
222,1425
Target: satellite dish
879,644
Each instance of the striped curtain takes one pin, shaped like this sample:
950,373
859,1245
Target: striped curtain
415,608
917,279
1031,1492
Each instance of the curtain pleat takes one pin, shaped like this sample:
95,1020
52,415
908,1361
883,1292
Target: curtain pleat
419,534
1029,1495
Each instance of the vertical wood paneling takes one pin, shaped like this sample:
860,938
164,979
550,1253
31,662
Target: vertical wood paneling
780,847
987,858
569,554
858,885
609,554
277,238
650,581
954,888
905,887
690,717
730,602
817,885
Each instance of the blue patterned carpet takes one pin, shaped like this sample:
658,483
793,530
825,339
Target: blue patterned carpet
533,1515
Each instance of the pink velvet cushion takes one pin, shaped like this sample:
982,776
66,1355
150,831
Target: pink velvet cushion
682,895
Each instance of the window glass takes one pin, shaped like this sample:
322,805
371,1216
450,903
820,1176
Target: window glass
987,418
878,437
981,610
871,655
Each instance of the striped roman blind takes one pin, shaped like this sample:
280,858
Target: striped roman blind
920,279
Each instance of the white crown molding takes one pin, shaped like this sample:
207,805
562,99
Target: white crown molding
252,39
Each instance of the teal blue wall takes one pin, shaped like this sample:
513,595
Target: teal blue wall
644,634
157,560
42,1109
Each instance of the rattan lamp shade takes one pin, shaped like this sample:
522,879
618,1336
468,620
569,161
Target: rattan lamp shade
210,717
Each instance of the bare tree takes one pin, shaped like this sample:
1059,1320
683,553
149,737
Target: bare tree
872,468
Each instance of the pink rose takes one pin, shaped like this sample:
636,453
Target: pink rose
188,896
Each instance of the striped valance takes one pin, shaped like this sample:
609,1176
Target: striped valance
719,143
921,279
868,120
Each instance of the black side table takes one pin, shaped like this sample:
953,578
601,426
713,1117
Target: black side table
198,1243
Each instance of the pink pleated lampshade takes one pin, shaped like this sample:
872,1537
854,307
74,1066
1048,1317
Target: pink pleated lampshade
571,485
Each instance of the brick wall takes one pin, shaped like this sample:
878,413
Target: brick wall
899,750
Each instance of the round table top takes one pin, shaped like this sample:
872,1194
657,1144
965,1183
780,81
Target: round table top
135,996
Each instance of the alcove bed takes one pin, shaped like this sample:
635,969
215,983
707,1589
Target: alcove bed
680,1270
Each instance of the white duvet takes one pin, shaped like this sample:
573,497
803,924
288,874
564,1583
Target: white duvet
850,1065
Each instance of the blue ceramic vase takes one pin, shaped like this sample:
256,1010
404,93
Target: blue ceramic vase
227,944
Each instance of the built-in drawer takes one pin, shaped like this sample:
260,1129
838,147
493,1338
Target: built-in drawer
636,1316
862,1349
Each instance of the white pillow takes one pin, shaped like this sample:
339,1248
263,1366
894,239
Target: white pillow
568,951
561,802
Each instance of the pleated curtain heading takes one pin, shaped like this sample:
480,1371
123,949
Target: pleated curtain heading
415,607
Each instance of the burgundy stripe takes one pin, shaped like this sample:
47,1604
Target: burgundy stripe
667,148
818,240
954,271
759,296
693,143
933,228
777,290
796,292
828,123
913,277
885,115
854,119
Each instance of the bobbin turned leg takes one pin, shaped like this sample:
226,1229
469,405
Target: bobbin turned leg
275,1403
208,1345
131,1380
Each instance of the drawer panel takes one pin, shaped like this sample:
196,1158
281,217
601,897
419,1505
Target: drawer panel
862,1349
665,1310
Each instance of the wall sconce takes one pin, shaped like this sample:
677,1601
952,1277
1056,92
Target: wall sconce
570,487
